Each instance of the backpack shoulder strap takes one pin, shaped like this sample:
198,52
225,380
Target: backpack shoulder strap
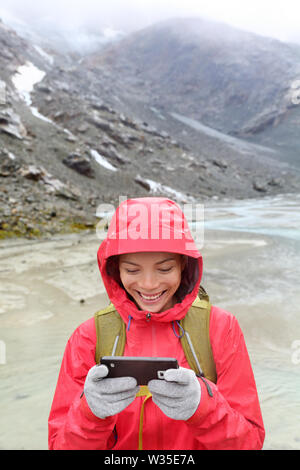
196,343
111,334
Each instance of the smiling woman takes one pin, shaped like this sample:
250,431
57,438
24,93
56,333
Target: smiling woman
152,279
151,291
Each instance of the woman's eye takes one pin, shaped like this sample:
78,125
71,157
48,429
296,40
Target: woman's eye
132,271
166,270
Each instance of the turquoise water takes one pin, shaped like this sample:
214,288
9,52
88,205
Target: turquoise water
274,216
260,285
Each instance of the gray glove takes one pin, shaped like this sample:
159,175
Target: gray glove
107,397
178,395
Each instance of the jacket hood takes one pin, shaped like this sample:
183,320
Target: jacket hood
144,225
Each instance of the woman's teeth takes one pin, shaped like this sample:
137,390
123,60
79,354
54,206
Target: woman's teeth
152,297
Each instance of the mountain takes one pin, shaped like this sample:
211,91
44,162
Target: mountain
64,36
79,131
235,82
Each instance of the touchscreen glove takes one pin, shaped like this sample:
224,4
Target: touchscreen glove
178,394
107,397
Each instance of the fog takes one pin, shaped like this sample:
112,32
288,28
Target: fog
279,19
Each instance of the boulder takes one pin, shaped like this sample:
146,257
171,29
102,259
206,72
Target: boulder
11,124
8,166
142,182
79,163
260,185
33,172
111,153
98,122
52,184
220,163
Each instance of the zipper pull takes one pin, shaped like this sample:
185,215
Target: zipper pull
148,316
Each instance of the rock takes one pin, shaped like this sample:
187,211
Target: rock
139,180
107,141
111,130
123,139
220,163
275,182
30,199
52,185
8,167
153,131
11,124
68,192
103,125
71,138
82,128
32,172
63,86
112,154
59,115
128,122
2,93
6,54
102,107
80,164
260,185
44,88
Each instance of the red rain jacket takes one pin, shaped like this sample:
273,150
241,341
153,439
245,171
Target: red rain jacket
231,419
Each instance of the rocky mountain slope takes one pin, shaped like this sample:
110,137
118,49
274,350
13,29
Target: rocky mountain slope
235,82
76,133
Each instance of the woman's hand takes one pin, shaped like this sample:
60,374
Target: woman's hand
107,397
178,395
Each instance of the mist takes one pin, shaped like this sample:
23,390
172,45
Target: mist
275,19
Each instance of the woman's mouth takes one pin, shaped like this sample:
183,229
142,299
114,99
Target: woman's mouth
151,298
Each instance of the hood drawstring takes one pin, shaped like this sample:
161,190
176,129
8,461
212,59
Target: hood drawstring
129,322
180,327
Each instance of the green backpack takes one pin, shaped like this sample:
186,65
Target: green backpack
111,336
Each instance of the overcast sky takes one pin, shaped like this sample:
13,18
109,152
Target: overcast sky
276,18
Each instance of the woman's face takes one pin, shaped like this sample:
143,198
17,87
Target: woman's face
151,278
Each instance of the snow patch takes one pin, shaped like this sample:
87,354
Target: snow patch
24,80
44,54
102,161
156,187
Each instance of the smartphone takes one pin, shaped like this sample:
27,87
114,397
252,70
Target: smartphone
142,369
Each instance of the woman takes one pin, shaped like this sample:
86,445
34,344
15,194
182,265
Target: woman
152,271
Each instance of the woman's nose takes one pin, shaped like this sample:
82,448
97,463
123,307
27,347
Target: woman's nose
149,282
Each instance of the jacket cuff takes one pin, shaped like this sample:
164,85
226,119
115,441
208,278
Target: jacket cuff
205,405
85,409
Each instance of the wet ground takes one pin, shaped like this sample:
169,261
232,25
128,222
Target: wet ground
251,267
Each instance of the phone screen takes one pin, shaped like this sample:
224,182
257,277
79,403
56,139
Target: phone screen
143,369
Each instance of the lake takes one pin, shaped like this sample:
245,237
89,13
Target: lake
251,256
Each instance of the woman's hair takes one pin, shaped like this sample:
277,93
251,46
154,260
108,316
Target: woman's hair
189,275
112,268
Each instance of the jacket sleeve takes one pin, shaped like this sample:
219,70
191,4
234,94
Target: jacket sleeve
231,418
71,424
